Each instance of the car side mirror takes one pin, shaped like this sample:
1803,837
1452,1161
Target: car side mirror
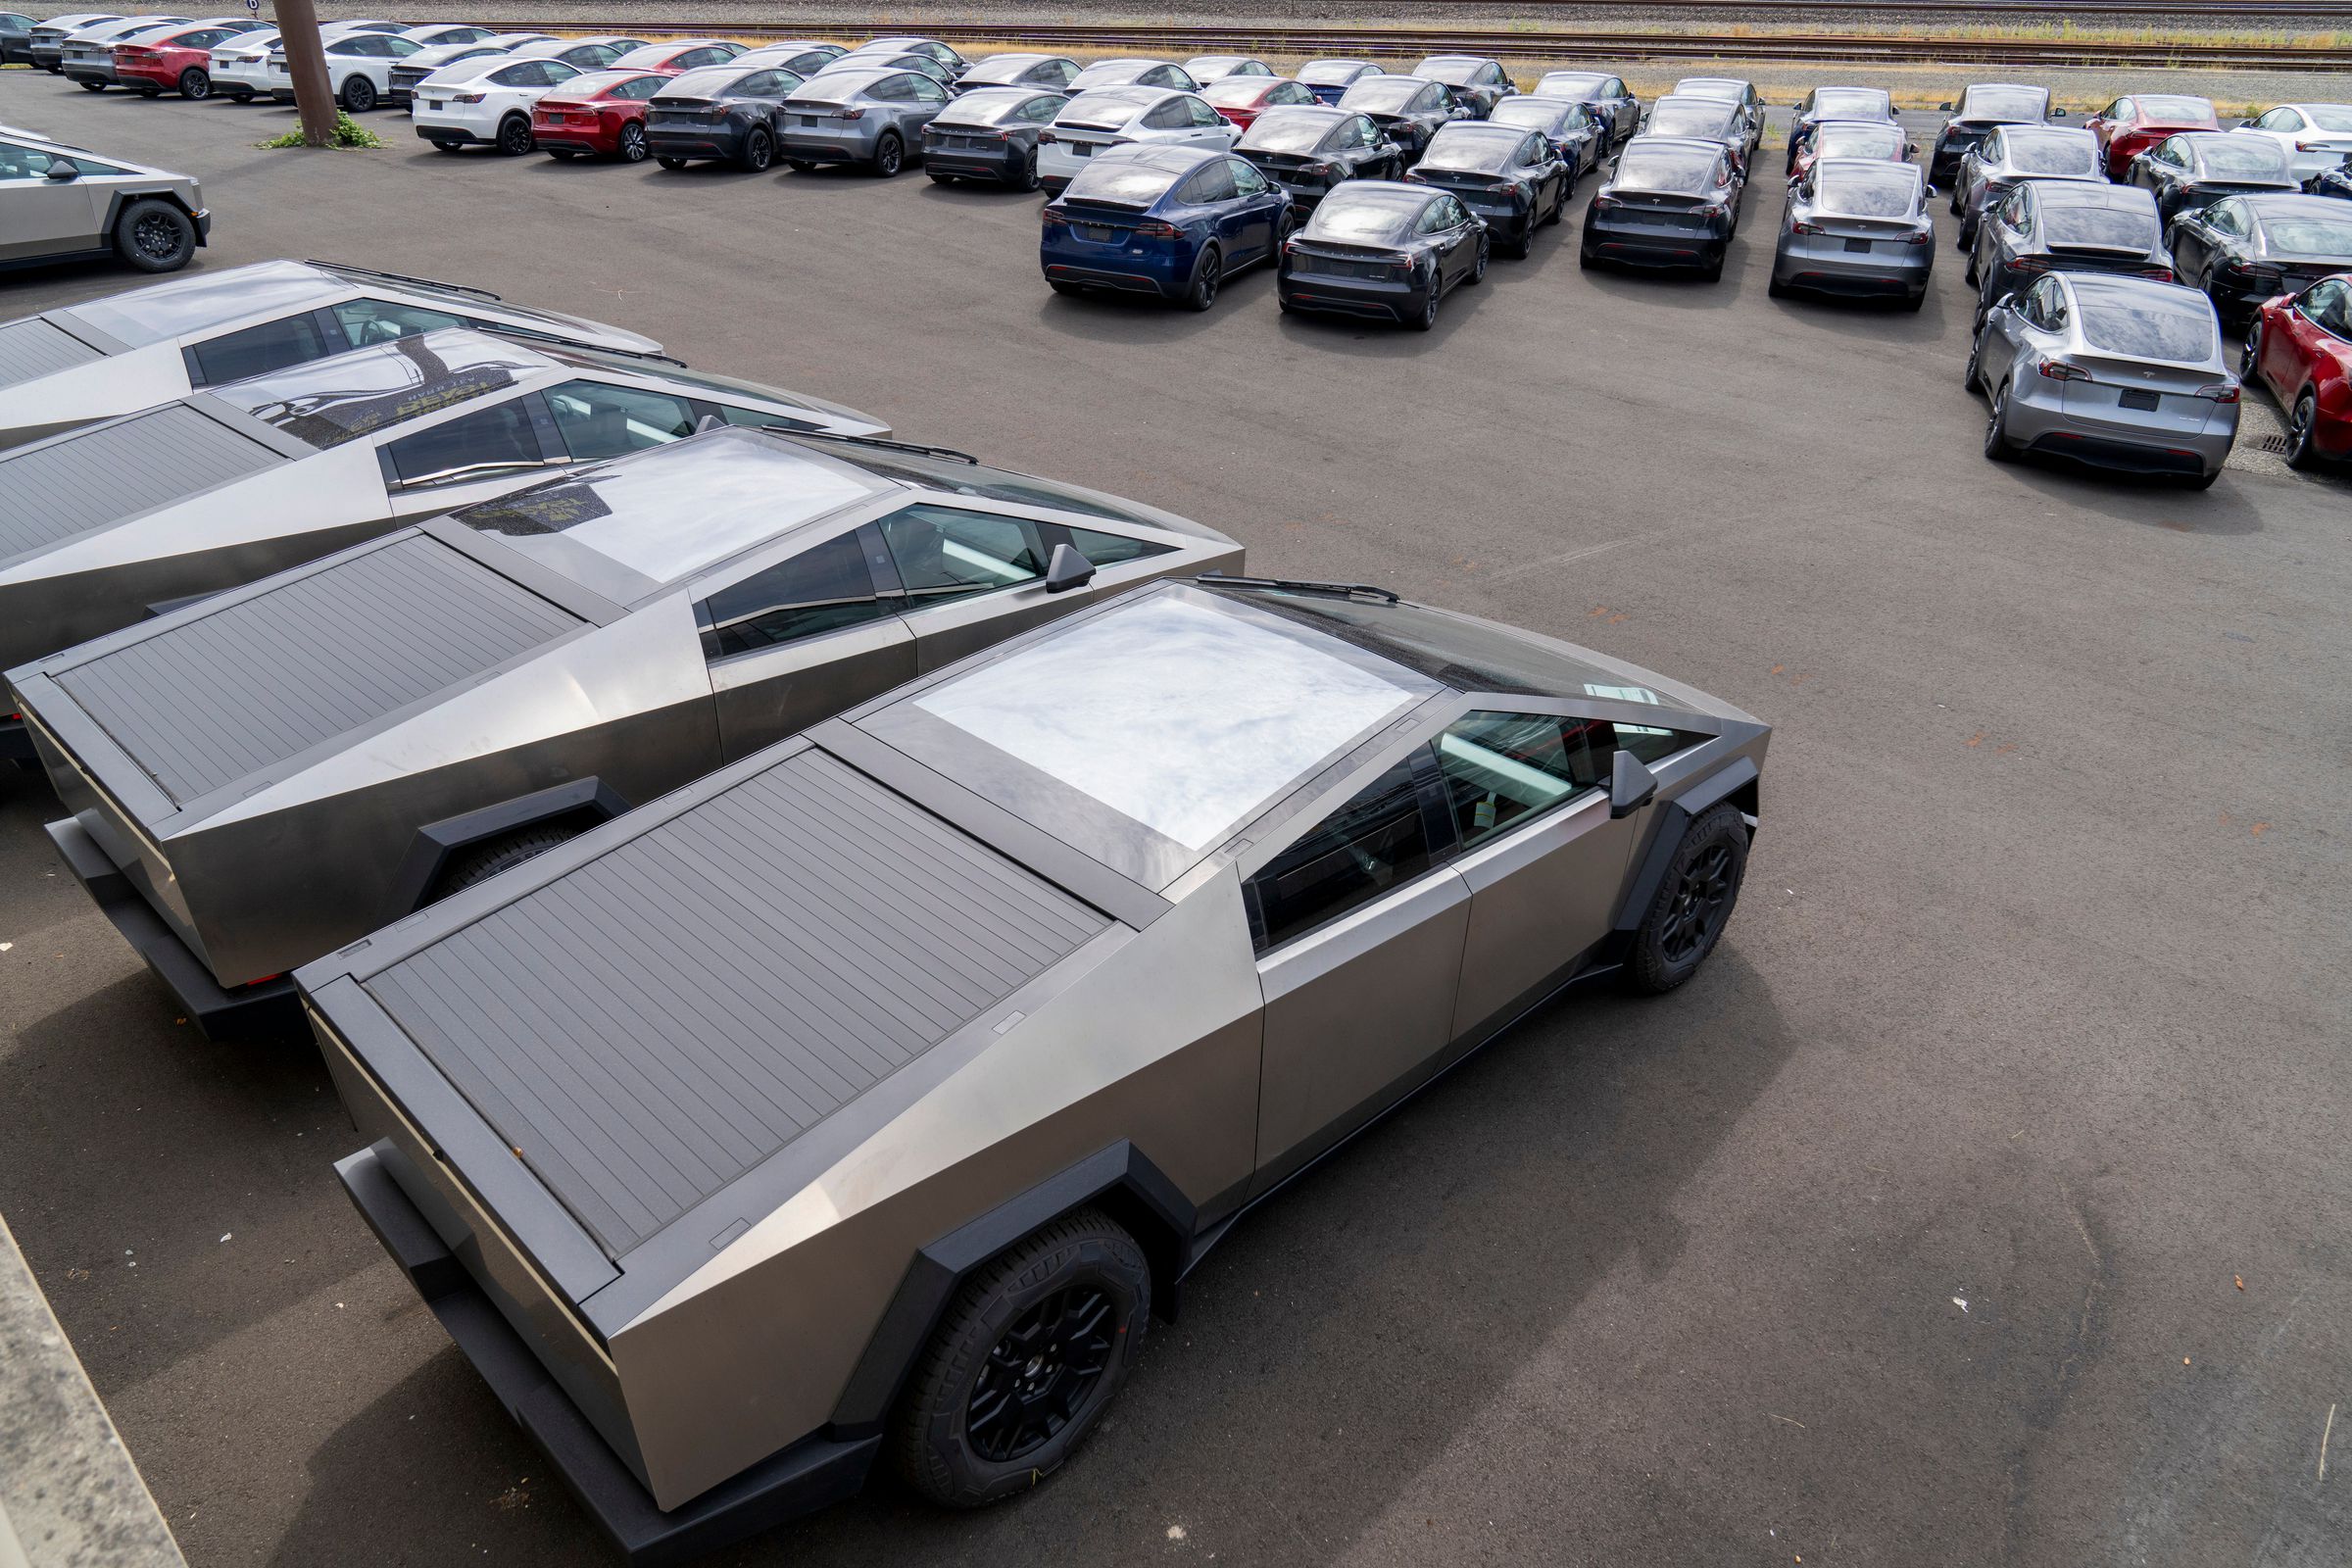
1943,109
1067,569
2245,124
2057,114
64,169
1927,191
1630,784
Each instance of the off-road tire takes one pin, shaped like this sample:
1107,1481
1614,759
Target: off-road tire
483,861
154,237
1693,903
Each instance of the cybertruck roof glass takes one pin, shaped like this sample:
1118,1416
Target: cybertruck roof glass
1145,735
627,528
160,310
329,401
958,477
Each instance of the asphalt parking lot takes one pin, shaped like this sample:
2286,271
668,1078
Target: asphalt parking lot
1985,1200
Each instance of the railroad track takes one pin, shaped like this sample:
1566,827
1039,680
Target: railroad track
1542,44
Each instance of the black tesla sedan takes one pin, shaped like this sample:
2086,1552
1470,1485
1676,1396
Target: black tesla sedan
1382,248
2243,250
1309,151
2198,168
720,111
1671,200
1507,174
1408,110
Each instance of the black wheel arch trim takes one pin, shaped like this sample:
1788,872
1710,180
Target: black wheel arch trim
429,852
1121,1180
1675,817
122,198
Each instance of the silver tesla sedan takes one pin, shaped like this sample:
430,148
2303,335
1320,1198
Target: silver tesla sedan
1857,226
2117,372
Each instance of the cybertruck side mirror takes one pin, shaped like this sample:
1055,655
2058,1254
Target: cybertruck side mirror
64,169
1067,569
1630,784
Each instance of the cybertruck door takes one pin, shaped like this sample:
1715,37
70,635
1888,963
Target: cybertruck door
1358,927
1529,799
972,577
798,639
44,216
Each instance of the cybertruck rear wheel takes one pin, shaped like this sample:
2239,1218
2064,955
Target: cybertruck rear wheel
1693,903
1031,1351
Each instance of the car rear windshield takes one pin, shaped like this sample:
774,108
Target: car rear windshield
1001,67
1455,70
1868,190
1473,149
592,83
1859,141
2097,224
2166,110
1690,120
2016,106
625,527
1571,84
1100,109
1146,735
1234,92
2053,153
1534,114
836,87
1122,183
1356,216
2330,116
2244,157
1672,169
1329,73
985,107
1858,102
2301,235
2147,324
329,401
711,82
1383,95
1297,130
1112,73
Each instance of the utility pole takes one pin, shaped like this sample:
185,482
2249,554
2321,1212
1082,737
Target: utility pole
306,61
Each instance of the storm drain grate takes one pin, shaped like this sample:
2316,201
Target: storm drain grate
2276,444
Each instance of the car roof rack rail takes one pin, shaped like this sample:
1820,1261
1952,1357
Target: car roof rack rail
404,277
915,447
1303,586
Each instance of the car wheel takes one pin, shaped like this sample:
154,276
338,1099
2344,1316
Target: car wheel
445,146
2249,358
195,82
759,150
1778,290
1428,304
515,136
1965,239
1024,177
94,86
1975,371
889,154
2203,481
1031,1350
633,146
1997,427
1712,271
672,163
1586,261
1207,273
358,95
1692,904
154,237
1065,286
483,861
1969,273
2301,451
1913,302
238,95
1478,263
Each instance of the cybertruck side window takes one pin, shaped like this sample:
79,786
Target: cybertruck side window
600,421
819,590
1109,548
501,437
366,322
1503,770
944,554
257,350
1375,842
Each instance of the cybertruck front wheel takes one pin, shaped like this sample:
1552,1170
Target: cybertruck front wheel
1031,1351
485,860
1692,904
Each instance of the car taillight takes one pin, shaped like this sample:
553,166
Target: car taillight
850,112
1924,236
2031,263
1602,204
2162,275
1154,229
2058,372
1056,221
1046,138
465,97
1801,227
2220,391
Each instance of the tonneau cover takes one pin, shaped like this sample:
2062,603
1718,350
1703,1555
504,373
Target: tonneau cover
34,347
651,1024
61,487
219,696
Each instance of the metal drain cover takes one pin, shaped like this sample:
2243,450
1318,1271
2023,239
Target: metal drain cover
2274,444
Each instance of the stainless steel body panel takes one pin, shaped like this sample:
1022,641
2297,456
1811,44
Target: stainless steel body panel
1540,899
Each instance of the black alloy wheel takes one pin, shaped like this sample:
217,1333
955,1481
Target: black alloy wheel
889,154
1478,263
1024,173
2301,452
195,82
1429,301
758,149
1208,273
1976,363
1040,1374
1997,427
515,136
154,237
2249,358
1693,903
1701,903
359,94
632,143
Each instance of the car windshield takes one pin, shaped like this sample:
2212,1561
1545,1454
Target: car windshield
836,86
1121,182
1146,735
2053,153
2016,106
1329,73
1690,120
1103,72
1455,70
1359,217
2330,116
711,82
1861,102
1868,190
2098,223
186,305
1851,140
2147,323
1570,84
624,528
1473,149
2244,157
1712,87
2164,110
1664,169
1534,114
1472,655
1234,92
329,401
2305,235
1383,95
977,480
1296,130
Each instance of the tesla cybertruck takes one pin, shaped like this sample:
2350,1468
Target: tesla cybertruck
865,1098
103,526
266,774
